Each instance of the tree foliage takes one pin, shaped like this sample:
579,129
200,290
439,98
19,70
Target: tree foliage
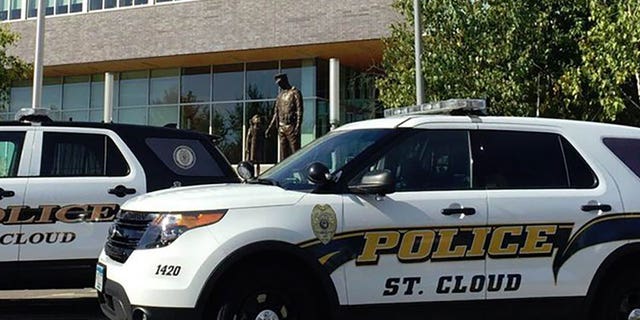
562,58
12,67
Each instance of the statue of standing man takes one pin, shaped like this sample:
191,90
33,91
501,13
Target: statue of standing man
287,111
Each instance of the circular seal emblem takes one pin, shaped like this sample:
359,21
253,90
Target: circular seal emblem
324,222
184,157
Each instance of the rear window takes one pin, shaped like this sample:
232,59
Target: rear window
185,157
627,150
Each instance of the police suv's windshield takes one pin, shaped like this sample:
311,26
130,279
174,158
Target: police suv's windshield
334,150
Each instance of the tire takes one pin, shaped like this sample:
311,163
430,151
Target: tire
267,293
620,296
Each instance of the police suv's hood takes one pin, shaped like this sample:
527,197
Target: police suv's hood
212,197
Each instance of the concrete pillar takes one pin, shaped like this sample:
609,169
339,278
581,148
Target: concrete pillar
334,93
108,97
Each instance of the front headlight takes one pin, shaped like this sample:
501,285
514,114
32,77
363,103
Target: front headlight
167,227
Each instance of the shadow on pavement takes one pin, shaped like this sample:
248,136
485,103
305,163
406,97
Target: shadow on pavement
50,309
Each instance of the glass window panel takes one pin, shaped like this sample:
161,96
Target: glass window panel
196,85
264,109
518,160
82,115
160,116
164,86
138,2
126,3
226,123
75,92
79,154
10,151
293,69
95,4
76,6
52,93
21,95
50,7
96,115
32,8
132,115
195,117
4,10
16,9
322,78
62,6
110,4
228,82
260,82
97,91
133,88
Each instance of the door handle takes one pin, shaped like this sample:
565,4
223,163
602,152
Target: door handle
6,193
596,207
121,191
452,211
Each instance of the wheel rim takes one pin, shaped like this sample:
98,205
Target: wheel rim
628,302
266,306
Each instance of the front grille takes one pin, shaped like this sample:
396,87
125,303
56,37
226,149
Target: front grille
125,234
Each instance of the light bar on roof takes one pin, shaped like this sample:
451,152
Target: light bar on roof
456,106
33,115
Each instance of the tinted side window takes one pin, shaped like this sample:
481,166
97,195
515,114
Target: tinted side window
185,157
427,160
80,155
10,151
627,150
580,174
518,160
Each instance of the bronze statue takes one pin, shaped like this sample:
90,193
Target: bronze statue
287,111
255,142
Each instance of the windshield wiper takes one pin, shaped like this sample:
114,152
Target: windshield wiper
269,182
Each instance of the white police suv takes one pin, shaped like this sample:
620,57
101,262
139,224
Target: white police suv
61,184
408,217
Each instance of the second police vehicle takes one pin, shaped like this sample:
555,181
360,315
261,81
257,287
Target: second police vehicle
61,185
407,217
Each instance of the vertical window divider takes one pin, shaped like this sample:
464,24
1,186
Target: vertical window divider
210,98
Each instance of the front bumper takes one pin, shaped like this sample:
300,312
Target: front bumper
116,306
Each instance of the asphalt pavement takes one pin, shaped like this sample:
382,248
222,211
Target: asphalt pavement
50,305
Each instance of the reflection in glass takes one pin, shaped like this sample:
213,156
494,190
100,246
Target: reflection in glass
195,117
4,10
228,81
62,6
163,115
95,4
260,82
265,110
133,88
164,86
51,93
294,73
195,85
21,92
132,115
16,9
226,122
97,91
75,115
76,6
75,92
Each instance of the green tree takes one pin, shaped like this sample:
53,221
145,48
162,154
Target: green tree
13,68
525,56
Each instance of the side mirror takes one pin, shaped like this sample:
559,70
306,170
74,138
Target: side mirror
318,173
380,182
246,170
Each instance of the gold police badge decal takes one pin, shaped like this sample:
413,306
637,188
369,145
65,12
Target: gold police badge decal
323,222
